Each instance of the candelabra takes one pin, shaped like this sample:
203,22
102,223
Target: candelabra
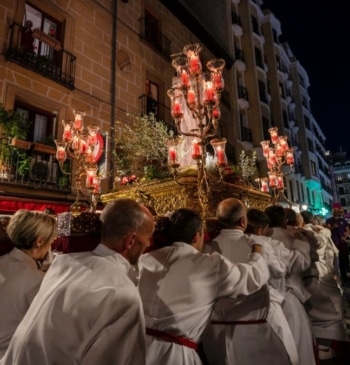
280,163
78,143
196,94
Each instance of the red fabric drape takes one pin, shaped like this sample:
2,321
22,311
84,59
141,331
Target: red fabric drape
9,205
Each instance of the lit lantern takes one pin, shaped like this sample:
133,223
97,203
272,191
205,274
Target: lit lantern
272,156
97,185
290,157
282,140
92,136
191,97
78,120
279,150
196,150
273,135
176,101
67,131
280,184
61,154
184,78
219,149
90,177
272,179
265,145
264,185
209,95
172,154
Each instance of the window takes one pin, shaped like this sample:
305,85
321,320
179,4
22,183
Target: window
307,123
291,190
310,144
42,122
285,119
313,168
265,126
255,25
152,97
47,25
281,87
258,58
341,190
262,91
152,30
274,35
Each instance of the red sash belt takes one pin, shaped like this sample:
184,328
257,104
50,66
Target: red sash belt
183,341
257,321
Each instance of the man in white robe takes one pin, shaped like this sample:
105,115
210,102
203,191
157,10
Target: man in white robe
179,286
296,294
241,324
258,223
88,310
327,312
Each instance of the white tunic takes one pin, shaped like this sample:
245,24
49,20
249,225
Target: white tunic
326,311
233,343
179,287
296,295
20,280
87,312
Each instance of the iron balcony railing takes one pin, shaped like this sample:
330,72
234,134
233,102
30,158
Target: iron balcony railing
150,34
32,165
49,60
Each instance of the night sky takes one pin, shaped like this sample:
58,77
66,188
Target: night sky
319,36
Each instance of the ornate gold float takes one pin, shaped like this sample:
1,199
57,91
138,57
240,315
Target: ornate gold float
164,196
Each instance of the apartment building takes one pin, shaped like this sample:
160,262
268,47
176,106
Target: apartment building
275,88
106,58
341,175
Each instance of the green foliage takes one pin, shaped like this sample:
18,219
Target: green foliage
142,146
24,164
12,124
248,166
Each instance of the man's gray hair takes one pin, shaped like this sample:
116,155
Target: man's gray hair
119,218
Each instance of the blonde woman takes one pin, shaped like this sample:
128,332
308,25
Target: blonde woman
32,234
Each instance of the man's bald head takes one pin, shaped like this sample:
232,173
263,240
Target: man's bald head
232,213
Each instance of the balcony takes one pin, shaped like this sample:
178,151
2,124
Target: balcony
52,61
237,25
240,60
161,112
151,35
243,100
28,166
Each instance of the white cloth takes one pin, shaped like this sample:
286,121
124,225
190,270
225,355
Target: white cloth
86,312
20,280
296,295
326,313
179,287
234,343
294,279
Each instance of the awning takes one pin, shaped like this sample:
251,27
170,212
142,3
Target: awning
9,205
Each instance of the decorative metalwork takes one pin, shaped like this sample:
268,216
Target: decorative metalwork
197,94
78,143
280,163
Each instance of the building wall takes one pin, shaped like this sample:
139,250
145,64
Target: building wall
89,36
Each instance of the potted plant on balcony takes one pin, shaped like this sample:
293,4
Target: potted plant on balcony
14,128
13,133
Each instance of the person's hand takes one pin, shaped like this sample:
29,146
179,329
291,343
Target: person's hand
257,249
257,240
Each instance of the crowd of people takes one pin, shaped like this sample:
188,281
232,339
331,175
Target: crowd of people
265,290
